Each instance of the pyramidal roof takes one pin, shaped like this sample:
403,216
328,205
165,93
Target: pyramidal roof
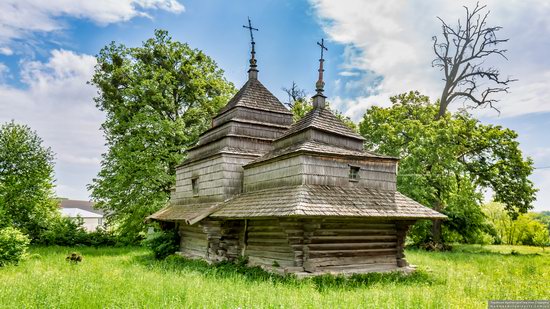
254,95
324,120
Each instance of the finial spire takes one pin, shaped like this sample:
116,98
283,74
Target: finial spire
319,98
252,72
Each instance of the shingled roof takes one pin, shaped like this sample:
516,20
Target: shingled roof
322,119
311,146
254,95
184,212
319,201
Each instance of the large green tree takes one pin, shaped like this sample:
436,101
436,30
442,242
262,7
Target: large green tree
157,98
448,163
26,180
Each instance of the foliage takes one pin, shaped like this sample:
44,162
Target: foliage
447,163
157,99
162,243
65,231
131,277
461,55
26,180
525,230
13,245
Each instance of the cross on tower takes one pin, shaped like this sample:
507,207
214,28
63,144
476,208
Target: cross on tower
320,83
322,44
253,52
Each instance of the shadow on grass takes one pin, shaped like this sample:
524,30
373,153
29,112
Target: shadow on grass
322,283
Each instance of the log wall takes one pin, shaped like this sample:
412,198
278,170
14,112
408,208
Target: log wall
330,245
349,246
193,241
320,170
286,172
218,178
267,245
375,174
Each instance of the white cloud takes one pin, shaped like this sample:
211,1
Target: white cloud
6,51
19,18
392,38
58,104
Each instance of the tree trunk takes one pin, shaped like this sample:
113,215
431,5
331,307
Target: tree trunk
436,225
443,102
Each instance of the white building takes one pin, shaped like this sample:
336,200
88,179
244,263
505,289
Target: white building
91,216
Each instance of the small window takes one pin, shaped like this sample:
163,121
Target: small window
354,173
195,185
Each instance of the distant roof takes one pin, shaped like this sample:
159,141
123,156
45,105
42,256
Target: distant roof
77,212
254,95
322,119
310,146
84,205
320,201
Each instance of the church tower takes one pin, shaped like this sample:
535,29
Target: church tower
242,131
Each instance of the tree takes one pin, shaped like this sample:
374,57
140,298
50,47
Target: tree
157,99
294,94
461,55
447,163
26,180
524,230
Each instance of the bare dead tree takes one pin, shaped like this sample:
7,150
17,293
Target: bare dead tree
294,94
461,54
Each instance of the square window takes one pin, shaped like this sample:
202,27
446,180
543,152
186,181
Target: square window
354,173
195,185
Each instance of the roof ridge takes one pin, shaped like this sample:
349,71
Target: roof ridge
321,119
253,94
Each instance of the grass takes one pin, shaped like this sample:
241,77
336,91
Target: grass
129,277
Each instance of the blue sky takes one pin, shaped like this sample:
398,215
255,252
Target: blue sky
376,49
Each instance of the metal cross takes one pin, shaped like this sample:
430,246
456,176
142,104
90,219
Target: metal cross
250,28
322,44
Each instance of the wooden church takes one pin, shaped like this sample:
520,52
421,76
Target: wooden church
300,197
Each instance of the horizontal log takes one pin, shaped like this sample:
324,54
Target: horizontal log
261,228
351,246
254,260
191,229
266,241
351,239
193,240
192,246
330,261
269,254
252,223
192,252
194,235
354,232
270,234
350,253
352,225
365,268
271,248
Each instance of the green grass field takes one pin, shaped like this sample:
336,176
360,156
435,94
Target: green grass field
129,277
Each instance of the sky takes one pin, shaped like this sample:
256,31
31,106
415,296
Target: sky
377,49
